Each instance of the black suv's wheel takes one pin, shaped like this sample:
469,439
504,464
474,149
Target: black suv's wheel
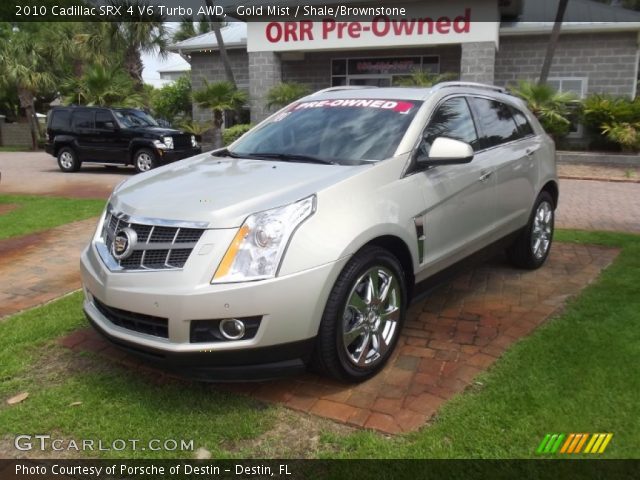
144,160
363,317
68,160
531,248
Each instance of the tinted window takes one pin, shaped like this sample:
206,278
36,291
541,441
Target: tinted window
104,120
524,127
453,120
495,121
83,119
60,119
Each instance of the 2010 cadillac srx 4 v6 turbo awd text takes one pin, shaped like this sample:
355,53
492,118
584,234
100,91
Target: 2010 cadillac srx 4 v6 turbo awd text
300,243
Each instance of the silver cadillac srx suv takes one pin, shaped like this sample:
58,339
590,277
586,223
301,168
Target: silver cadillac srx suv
300,243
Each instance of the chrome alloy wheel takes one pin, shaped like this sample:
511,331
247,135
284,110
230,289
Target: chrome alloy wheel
542,230
371,316
144,161
66,160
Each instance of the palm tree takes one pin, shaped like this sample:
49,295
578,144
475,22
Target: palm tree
190,28
24,61
285,93
553,42
219,97
551,107
105,86
216,25
148,35
424,79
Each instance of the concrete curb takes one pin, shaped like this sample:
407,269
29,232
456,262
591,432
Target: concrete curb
625,160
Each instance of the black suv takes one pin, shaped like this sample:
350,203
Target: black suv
114,136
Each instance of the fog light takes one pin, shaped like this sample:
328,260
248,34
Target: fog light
232,328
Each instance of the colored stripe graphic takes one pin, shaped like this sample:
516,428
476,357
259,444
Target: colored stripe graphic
574,443
598,443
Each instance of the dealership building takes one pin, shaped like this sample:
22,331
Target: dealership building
489,41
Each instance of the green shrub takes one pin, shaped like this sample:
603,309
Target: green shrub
231,134
612,121
552,108
625,134
195,128
284,93
423,79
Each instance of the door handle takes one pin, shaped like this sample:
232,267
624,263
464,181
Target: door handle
484,175
530,152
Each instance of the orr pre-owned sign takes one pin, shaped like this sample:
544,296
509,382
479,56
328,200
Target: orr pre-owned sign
454,21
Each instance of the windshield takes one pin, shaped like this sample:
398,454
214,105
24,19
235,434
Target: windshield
134,118
344,131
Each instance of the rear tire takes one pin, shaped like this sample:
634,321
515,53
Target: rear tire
363,317
531,248
68,160
144,160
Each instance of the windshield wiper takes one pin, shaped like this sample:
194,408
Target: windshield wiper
291,157
225,152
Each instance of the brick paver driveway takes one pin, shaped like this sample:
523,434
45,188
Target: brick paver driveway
591,205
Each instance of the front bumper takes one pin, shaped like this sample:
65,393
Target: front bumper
168,156
290,308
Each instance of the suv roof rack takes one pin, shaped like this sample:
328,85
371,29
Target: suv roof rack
483,86
342,87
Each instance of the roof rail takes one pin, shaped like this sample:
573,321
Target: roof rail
342,87
469,84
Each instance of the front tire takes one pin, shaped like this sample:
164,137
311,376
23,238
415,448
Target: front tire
363,317
68,160
144,160
531,248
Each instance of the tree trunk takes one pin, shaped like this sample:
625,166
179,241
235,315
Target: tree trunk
133,65
553,42
26,102
224,58
217,129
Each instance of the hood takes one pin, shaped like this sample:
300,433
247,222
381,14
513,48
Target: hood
159,131
223,191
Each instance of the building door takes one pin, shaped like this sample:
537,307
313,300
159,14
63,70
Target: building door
371,80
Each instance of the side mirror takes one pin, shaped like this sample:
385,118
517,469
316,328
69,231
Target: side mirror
446,151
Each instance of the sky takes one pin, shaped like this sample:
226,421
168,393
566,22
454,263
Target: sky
153,62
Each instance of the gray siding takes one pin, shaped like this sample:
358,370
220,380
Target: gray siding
609,60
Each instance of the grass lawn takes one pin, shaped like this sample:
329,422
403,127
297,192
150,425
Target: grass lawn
37,213
16,149
578,373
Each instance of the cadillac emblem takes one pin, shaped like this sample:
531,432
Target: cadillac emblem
123,243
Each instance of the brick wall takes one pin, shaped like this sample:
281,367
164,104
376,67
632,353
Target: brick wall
15,134
265,71
609,60
477,62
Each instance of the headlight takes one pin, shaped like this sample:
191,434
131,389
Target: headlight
194,142
258,247
168,142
